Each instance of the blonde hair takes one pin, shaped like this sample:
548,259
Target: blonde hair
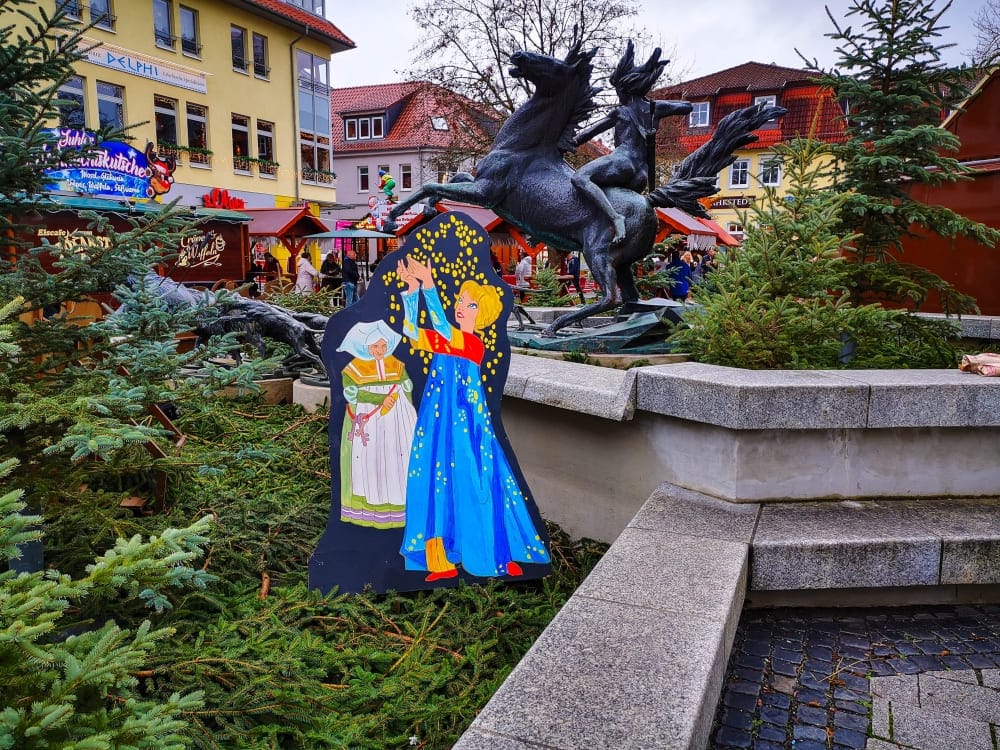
686,255
488,299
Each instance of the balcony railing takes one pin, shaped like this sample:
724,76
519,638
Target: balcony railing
165,38
261,70
190,46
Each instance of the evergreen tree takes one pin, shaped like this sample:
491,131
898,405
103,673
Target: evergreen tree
76,400
896,90
783,300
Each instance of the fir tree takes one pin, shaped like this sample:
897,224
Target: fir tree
783,300
896,90
77,398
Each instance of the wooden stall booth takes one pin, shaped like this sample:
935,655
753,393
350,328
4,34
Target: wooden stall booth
277,236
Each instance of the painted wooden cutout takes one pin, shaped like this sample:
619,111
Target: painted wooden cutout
426,488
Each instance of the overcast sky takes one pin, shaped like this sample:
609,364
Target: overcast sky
707,36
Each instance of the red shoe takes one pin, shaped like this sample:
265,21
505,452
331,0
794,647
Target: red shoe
442,574
513,569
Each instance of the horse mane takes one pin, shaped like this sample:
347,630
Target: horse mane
584,104
637,80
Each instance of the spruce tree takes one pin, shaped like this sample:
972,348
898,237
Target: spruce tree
896,91
783,299
74,405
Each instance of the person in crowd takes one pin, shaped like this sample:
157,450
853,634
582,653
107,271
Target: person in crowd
521,273
306,276
573,269
330,271
351,277
680,285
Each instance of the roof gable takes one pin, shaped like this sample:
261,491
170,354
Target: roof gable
409,109
750,76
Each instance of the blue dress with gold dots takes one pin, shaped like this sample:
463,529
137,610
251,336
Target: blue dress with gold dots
460,486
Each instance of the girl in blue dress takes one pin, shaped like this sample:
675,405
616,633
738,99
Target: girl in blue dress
464,505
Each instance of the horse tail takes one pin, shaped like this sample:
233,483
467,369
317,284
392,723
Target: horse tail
694,177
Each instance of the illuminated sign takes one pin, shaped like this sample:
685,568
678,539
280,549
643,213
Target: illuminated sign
220,198
113,170
108,56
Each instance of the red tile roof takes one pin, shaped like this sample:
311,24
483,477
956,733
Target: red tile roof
750,76
811,108
418,102
315,24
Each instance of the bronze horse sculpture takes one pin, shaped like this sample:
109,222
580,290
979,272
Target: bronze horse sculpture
525,180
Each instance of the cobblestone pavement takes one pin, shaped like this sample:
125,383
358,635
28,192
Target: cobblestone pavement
798,679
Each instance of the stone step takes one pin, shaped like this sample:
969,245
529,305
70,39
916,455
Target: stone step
877,543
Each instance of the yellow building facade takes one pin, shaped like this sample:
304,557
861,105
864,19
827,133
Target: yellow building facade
234,94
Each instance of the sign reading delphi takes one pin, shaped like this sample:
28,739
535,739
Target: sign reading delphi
118,59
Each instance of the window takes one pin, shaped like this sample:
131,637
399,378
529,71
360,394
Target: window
110,105
197,133
265,140
260,68
163,23
314,6
73,111
405,177
736,230
364,128
439,123
769,100
70,7
165,117
100,14
190,44
739,173
314,117
238,37
241,142
770,171
363,184
699,115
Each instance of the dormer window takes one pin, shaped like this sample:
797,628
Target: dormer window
364,128
768,101
439,123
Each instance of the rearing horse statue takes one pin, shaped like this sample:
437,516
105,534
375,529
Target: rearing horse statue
525,180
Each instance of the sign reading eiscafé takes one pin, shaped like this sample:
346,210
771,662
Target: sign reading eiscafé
115,58
733,201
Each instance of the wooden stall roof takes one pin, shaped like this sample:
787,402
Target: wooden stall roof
278,222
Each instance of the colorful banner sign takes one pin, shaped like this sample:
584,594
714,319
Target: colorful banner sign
115,170
108,56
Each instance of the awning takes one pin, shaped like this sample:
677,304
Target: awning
683,222
126,208
353,234
482,216
279,222
725,238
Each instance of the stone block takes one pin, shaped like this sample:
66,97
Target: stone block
600,391
959,699
310,397
991,678
897,689
970,534
995,330
971,326
608,676
842,545
476,740
930,730
683,511
929,398
675,573
753,399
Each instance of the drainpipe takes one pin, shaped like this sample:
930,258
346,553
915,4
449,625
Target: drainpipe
296,150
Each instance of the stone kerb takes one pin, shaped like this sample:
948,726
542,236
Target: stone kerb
586,389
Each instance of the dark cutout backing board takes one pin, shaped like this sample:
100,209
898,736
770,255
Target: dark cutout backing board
426,490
